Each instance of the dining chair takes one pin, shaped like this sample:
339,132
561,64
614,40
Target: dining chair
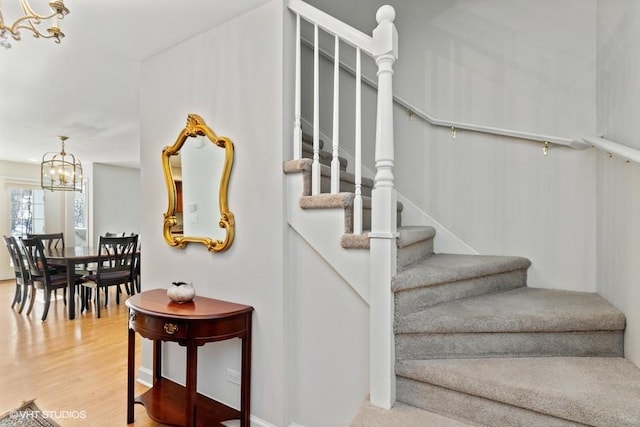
42,276
137,270
110,234
116,266
49,240
21,271
126,286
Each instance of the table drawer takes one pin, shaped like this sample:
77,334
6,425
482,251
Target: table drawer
156,328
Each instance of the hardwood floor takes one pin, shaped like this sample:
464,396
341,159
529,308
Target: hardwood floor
78,366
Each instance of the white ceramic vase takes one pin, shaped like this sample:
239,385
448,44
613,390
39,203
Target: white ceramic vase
181,292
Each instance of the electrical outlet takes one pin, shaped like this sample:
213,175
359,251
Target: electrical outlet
233,376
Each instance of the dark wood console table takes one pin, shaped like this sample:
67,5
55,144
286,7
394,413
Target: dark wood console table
192,324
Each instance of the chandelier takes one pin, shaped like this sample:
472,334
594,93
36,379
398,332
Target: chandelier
61,171
31,21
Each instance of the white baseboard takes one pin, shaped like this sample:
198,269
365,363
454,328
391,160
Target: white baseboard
254,421
145,376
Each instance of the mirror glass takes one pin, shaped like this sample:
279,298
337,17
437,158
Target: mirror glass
197,169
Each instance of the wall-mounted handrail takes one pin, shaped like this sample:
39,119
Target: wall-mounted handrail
612,147
529,136
451,124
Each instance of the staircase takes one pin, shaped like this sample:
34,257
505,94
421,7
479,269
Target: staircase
475,343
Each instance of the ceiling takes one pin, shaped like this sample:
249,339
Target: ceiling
87,86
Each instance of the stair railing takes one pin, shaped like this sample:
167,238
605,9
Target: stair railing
382,46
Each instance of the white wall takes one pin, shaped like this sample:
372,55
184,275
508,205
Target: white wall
116,200
503,63
618,183
231,76
328,324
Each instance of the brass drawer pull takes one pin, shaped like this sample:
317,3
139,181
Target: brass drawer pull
170,328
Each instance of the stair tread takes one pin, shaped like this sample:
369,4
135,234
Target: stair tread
411,234
445,268
401,415
305,164
518,310
589,390
332,201
335,201
407,235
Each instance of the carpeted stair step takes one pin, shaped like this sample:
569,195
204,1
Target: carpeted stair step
344,201
307,139
401,415
347,182
324,157
347,179
532,392
522,322
447,277
414,243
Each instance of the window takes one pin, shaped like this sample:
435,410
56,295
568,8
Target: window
80,216
26,211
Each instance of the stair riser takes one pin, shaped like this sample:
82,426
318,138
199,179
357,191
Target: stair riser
346,182
526,344
325,186
324,157
407,255
471,408
345,187
366,219
348,219
417,299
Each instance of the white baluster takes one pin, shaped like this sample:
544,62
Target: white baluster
383,219
357,202
297,127
335,162
315,167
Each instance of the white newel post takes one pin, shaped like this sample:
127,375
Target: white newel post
383,222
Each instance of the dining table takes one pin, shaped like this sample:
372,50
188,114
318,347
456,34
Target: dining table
70,257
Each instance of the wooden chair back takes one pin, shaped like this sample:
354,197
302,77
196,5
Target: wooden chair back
117,261
50,240
36,260
17,260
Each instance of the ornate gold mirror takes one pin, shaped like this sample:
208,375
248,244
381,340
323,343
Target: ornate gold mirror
196,170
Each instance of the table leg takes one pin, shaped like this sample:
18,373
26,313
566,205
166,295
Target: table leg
71,274
191,384
157,361
130,373
245,386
